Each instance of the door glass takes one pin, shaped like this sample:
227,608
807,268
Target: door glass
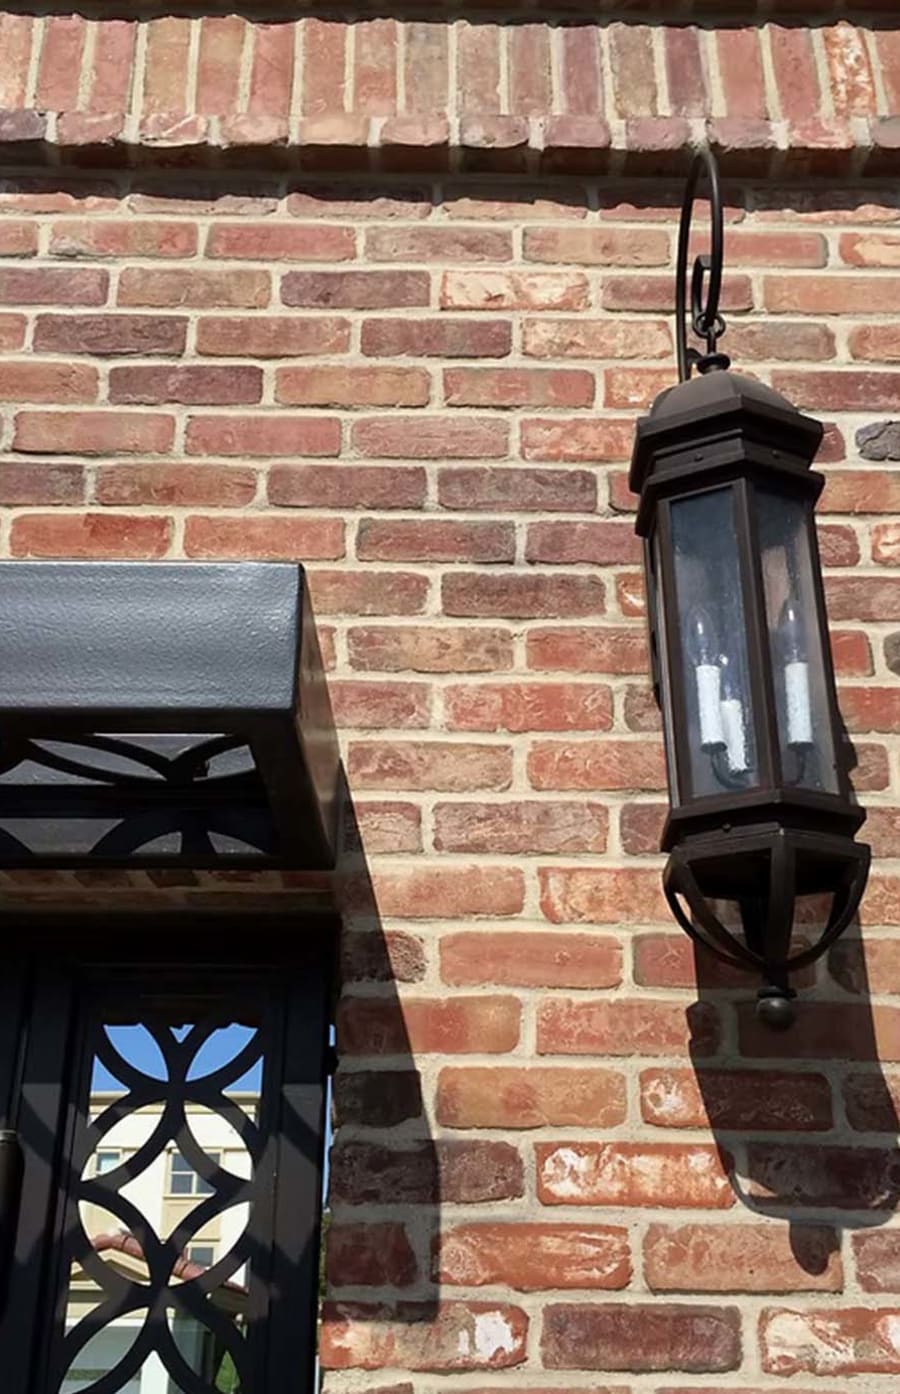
167,1212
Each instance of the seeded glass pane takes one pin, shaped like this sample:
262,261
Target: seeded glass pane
795,639
709,613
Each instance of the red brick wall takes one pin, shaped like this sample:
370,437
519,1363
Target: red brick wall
560,1162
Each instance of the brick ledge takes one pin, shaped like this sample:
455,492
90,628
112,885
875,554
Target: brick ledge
559,145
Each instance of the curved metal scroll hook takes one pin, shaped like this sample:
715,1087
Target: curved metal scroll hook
706,321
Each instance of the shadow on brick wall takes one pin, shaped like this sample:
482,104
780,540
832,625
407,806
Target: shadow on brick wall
806,1121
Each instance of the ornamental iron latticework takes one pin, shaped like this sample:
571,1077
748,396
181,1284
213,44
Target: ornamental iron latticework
761,811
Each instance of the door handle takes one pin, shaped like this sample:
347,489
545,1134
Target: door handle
12,1167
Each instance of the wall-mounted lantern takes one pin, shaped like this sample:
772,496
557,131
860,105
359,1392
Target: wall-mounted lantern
761,811
169,714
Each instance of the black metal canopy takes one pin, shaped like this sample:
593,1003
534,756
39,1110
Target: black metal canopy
170,713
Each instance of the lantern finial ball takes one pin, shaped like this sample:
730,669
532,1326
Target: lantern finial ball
775,1008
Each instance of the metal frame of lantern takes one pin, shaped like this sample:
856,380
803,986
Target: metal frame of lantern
761,810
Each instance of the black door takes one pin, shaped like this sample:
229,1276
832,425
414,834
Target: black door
161,1159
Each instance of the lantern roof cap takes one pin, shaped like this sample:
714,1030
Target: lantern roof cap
689,413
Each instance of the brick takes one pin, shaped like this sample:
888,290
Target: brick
531,1257
106,336
166,67
346,486
741,72
33,483
518,387
641,711
321,87
203,290
514,290
604,764
572,1026
90,535
517,490
429,891
15,43
795,70
581,81
370,1255
263,435
845,1340
181,485
272,337
272,70
852,83
18,239
605,896
219,63
12,333
534,959
634,81
58,383
367,704
641,1336
863,598
344,592
430,438
122,239
426,66
585,338
444,245
93,433
469,1171
436,649
871,708
455,1336
829,295
539,706
844,1178
654,293
59,68
444,1026
391,827
445,766
840,391
876,970
853,1033
602,246
434,539
872,1101
641,827
862,491
352,387
875,343
373,956
356,290
674,1175
517,1098
577,440
736,1100
877,1259
45,285
539,596
521,828
288,539
281,242
765,341
599,649
191,385
742,1258
396,338
478,67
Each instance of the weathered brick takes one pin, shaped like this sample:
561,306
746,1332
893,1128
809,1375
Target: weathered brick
742,1258
538,706
641,1336
105,336
531,1257
506,1096
458,1336
671,1174
845,1340
575,1026
736,1100
520,828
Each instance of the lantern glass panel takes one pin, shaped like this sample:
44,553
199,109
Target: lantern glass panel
721,750
802,696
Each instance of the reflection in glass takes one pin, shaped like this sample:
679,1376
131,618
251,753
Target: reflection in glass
720,743
801,695
167,1159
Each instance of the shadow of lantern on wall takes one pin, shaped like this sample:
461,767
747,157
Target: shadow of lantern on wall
761,810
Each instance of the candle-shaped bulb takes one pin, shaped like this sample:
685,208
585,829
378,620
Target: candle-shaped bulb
798,707
702,652
733,723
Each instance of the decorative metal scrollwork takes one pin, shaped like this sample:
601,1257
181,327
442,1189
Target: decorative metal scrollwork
706,321
145,1290
149,798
